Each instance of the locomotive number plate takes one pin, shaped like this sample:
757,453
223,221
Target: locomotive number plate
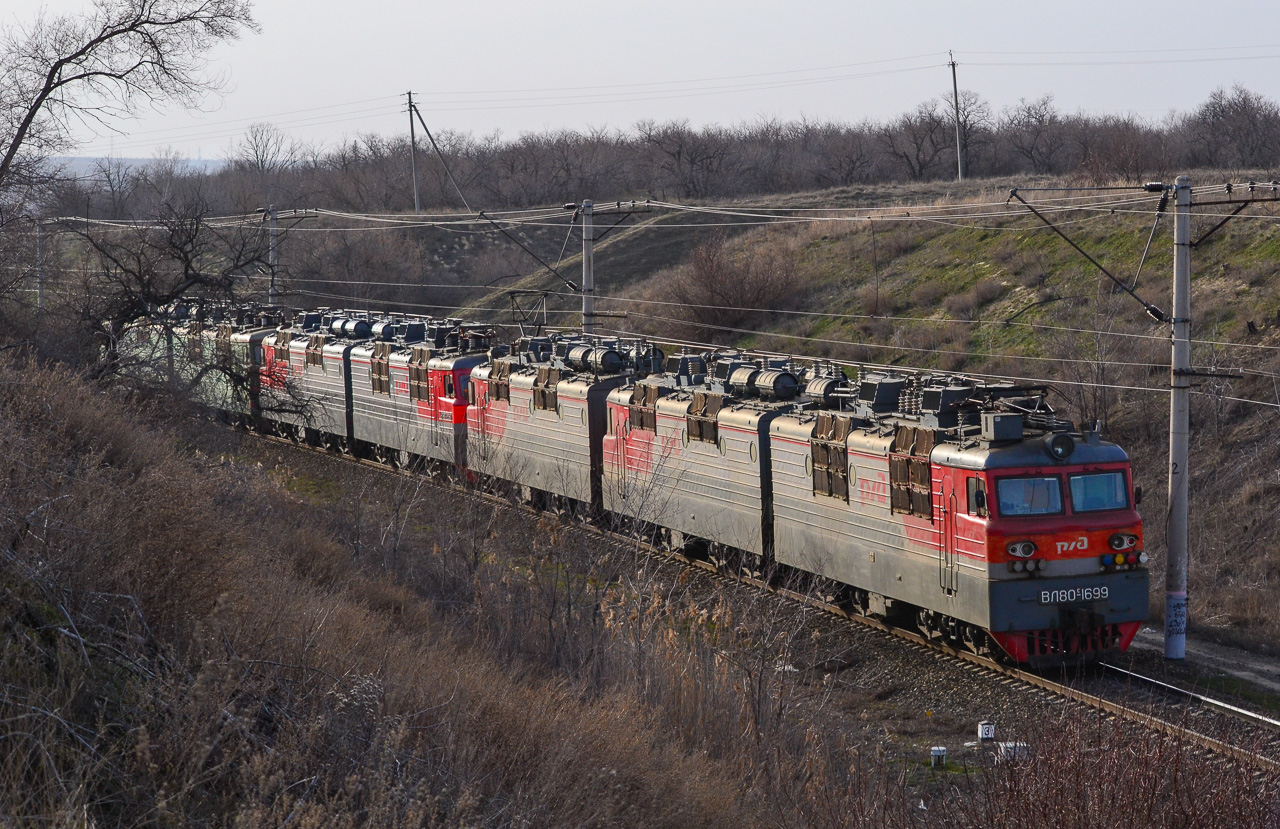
1074,594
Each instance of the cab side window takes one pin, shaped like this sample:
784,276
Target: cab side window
977,496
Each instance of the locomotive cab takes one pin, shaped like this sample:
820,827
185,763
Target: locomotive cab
1054,521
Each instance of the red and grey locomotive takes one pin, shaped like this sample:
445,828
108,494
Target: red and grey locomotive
966,508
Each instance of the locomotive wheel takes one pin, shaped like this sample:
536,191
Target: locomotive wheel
857,602
927,624
975,639
561,507
725,558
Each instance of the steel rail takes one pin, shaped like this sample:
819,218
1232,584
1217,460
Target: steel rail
1217,705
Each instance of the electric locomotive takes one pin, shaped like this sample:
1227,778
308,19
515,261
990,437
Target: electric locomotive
968,509
413,409
687,452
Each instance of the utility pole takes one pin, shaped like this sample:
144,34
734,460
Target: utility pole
1175,591
955,91
39,268
413,155
588,279
272,259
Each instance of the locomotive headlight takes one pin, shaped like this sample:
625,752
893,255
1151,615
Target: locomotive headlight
1059,446
1142,558
1123,541
1019,566
1021,549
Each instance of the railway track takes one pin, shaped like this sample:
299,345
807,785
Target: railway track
1136,715
1186,720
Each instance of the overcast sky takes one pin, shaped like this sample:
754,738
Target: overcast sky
325,70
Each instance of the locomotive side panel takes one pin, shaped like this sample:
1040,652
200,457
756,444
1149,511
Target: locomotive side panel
862,542
703,489
285,393
213,390
426,434
548,449
632,459
488,420
378,417
327,386
442,419
246,362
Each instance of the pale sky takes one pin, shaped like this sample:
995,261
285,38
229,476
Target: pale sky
324,70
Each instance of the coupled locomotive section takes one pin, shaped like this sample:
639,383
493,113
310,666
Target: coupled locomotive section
967,509
687,452
537,415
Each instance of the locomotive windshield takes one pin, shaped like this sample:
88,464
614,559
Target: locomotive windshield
1099,491
1030,496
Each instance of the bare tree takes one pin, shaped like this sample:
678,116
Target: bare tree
1238,128
917,139
142,269
976,126
119,182
722,286
1035,131
265,150
67,70
842,154
694,159
1116,148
